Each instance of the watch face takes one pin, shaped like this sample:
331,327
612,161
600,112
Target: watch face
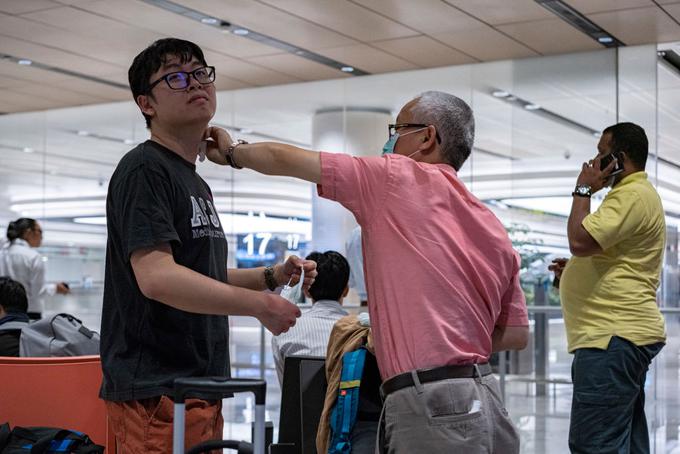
583,190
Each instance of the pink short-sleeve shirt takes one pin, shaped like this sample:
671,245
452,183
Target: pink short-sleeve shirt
439,266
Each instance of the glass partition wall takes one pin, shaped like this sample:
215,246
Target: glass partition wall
537,120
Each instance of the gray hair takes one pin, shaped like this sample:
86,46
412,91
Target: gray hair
454,121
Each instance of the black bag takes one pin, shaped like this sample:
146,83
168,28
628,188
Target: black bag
45,440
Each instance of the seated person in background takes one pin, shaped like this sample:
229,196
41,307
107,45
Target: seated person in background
309,336
13,317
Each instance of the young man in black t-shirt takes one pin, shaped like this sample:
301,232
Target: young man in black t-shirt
167,291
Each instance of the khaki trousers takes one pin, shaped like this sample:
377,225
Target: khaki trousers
460,415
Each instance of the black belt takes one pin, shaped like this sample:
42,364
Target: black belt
429,375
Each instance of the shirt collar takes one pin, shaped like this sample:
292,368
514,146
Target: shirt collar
328,305
21,242
14,316
633,177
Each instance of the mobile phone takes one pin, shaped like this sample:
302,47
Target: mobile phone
607,159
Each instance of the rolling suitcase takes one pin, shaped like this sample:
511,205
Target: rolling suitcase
220,388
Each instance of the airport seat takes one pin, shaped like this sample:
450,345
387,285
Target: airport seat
57,392
302,398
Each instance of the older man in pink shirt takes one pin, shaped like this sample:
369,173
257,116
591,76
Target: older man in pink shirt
442,276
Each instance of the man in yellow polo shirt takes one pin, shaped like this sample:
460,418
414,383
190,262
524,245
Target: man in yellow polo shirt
608,294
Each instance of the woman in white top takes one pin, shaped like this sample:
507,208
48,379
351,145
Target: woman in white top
21,262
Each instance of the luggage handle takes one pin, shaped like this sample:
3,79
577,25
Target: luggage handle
223,386
219,386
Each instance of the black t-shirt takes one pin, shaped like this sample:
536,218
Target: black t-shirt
156,197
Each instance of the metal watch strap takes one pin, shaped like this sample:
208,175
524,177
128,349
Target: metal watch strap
230,153
582,190
269,278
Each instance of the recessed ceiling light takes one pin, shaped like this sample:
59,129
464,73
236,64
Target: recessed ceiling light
597,134
83,133
500,93
24,62
605,39
532,106
210,21
128,141
347,69
240,31
28,150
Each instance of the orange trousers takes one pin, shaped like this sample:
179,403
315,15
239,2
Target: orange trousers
145,426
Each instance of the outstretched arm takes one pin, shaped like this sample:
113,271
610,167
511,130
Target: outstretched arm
270,158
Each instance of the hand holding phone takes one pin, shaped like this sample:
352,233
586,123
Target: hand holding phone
607,159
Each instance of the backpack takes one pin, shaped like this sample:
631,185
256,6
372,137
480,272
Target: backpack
61,335
47,440
344,412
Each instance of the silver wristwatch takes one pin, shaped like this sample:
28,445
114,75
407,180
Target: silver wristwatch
230,153
582,190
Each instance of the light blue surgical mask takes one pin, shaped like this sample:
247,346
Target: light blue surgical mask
388,148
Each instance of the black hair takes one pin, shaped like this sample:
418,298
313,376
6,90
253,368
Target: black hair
632,140
332,277
12,296
17,229
152,58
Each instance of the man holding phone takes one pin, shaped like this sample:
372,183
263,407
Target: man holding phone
608,293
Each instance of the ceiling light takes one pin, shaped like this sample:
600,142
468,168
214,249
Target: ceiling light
83,133
579,21
517,101
240,31
128,141
24,62
245,131
28,150
210,21
347,69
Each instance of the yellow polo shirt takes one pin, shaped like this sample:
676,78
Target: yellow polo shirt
614,293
